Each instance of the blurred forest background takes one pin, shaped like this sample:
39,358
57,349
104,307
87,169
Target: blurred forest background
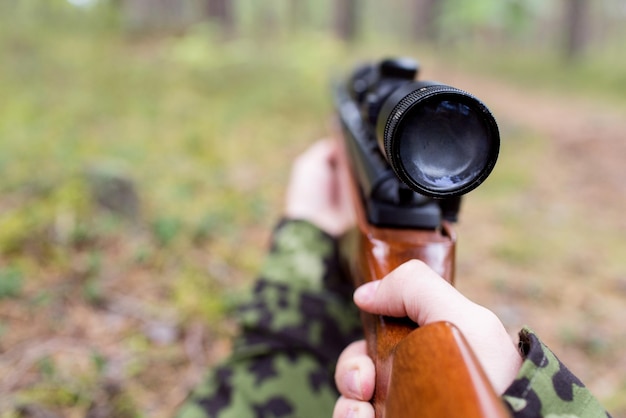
145,145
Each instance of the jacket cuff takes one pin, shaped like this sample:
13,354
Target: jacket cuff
544,386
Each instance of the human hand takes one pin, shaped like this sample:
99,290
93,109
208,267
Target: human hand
416,291
318,192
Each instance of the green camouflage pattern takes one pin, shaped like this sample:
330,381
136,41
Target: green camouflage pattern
544,387
295,324
297,321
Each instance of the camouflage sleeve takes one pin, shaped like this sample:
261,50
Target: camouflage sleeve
297,321
544,387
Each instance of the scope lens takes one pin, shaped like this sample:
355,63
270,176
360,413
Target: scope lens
441,143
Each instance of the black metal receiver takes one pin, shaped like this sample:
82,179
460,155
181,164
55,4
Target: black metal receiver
415,146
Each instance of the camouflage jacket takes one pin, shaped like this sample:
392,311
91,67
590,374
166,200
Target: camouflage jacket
297,321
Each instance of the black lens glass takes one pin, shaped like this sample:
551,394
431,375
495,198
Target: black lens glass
444,144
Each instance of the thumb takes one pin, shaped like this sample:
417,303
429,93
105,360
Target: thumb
413,290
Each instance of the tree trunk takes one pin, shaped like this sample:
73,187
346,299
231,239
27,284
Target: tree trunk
346,19
141,15
576,27
298,14
426,13
223,13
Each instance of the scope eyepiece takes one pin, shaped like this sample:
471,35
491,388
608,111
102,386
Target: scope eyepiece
439,140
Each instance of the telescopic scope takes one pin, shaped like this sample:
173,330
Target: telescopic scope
439,140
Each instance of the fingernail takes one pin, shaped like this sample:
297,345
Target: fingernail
366,292
353,382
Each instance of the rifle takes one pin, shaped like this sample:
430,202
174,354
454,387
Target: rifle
413,149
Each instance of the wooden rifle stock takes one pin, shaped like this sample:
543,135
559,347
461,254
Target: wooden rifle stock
420,372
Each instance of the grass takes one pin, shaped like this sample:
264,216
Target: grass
111,308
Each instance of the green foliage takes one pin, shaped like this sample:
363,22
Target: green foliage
46,367
197,295
462,19
11,282
166,230
92,291
42,216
